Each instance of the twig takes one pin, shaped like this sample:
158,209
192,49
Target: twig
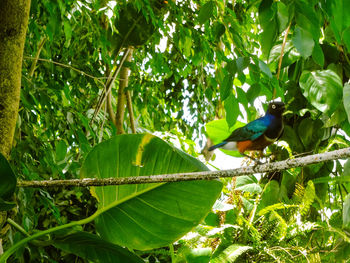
65,66
207,175
281,57
32,68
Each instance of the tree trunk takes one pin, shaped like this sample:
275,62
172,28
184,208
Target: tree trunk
13,26
123,83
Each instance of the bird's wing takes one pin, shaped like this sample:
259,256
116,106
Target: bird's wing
251,131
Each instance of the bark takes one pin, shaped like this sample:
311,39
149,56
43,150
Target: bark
13,26
207,175
124,76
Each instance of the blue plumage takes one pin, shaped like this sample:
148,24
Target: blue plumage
257,134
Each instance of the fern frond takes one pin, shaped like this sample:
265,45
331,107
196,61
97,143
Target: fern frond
298,192
308,198
275,207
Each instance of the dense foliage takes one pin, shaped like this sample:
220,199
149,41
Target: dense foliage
191,62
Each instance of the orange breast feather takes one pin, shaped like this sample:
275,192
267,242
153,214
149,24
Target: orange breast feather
244,145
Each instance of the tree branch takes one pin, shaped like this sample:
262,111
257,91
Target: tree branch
207,175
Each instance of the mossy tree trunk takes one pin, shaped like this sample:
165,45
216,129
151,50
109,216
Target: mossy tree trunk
13,26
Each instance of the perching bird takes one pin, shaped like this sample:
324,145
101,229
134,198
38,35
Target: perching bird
258,134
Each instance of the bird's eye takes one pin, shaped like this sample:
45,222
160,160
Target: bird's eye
273,106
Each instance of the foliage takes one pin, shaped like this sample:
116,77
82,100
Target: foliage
193,62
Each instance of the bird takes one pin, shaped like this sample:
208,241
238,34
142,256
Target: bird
258,134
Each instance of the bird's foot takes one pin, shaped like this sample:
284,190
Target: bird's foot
257,162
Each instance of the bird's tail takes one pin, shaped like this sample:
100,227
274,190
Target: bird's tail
217,146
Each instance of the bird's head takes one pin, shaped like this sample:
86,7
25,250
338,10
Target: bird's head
276,108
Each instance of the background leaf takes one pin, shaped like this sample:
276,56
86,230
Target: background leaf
7,178
206,12
346,99
303,42
346,212
322,88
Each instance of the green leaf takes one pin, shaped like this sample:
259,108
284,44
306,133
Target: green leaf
322,88
268,38
269,24
199,255
248,184
67,31
146,216
308,130
303,42
317,55
270,194
212,219
253,92
231,253
347,168
265,69
307,18
206,12
218,130
61,150
282,15
5,206
339,19
7,178
346,38
232,110
346,212
93,248
346,99
242,63
226,87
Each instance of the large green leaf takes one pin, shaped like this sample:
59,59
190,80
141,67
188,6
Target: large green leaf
322,88
146,216
94,248
7,178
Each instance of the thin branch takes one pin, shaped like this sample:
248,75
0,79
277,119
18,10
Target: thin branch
281,57
32,68
66,66
207,175
282,51
131,113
